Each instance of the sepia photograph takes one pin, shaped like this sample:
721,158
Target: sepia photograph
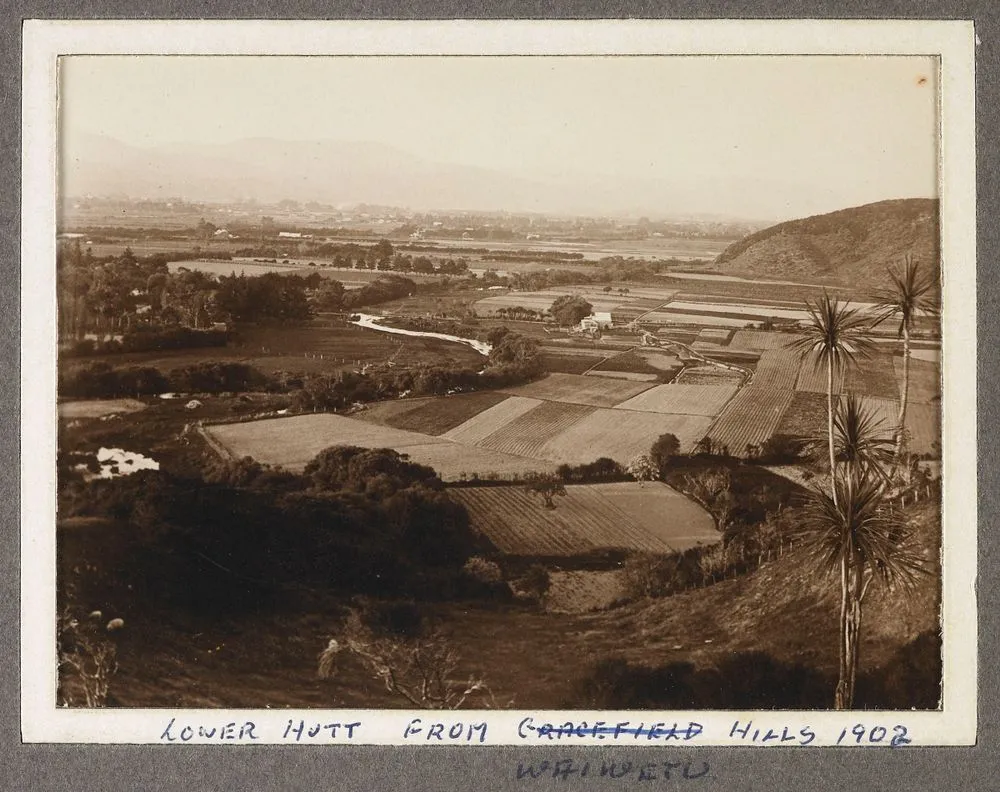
498,382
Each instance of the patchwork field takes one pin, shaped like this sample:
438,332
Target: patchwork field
779,368
485,423
621,435
529,432
575,389
750,418
454,461
436,416
591,517
705,400
293,442
759,340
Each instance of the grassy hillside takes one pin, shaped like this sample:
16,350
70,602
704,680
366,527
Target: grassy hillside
848,246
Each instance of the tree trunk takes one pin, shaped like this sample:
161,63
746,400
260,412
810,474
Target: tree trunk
851,583
829,429
903,396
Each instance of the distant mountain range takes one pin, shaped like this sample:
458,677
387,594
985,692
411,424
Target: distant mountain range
851,246
338,172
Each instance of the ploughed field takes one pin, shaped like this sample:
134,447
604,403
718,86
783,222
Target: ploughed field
650,517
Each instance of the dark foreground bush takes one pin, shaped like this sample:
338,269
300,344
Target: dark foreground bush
756,680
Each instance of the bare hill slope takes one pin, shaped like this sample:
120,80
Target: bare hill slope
848,246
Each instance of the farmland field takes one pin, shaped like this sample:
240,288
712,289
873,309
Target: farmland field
435,416
634,362
453,461
571,363
709,375
293,442
634,376
490,420
591,517
527,433
621,435
814,379
594,391
679,317
872,377
779,368
884,411
805,416
664,361
751,418
388,413
761,340
925,382
705,400
96,408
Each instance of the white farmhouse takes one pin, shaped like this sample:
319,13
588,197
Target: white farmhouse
596,320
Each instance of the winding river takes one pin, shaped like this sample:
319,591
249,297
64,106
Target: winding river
372,323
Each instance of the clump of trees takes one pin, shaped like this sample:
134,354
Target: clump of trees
569,309
244,536
102,380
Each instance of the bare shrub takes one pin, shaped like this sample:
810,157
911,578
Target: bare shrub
422,671
483,570
87,659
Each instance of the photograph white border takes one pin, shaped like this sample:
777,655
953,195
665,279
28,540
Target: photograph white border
953,42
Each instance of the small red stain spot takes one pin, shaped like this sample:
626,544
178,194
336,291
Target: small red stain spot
921,80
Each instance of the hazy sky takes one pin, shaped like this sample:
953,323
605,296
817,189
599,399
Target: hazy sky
856,129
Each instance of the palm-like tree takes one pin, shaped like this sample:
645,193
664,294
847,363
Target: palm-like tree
861,439
835,336
912,293
853,532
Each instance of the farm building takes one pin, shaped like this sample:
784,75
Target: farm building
596,320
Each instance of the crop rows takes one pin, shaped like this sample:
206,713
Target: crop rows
751,418
777,368
761,340
488,421
518,523
453,461
575,389
621,435
813,378
682,399
526,434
